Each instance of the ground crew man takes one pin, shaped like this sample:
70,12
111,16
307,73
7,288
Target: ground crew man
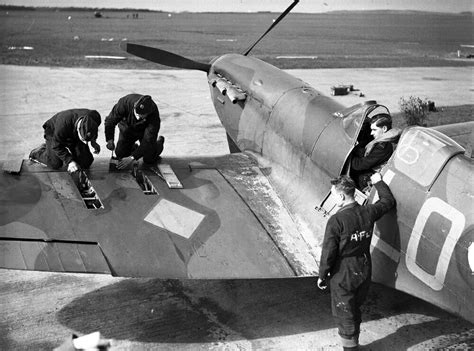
67,135
138,119
345,258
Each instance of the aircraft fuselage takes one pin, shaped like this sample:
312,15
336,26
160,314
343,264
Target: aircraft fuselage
425,246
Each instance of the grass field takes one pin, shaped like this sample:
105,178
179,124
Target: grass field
357,39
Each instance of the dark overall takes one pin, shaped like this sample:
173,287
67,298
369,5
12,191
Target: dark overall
362,167
346,262
62,141
132,130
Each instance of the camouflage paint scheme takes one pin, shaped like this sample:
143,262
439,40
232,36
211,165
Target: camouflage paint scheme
425,247
252,213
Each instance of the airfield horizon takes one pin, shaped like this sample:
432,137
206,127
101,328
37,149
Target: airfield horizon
128,9
374,39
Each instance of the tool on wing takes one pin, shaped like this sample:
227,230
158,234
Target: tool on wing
114,160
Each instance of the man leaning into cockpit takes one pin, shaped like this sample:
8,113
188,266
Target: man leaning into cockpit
367,157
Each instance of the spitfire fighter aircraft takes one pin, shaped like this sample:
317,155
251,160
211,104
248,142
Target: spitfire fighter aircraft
261,210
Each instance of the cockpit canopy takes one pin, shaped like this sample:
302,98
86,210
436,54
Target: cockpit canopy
354,117
422,154
341,135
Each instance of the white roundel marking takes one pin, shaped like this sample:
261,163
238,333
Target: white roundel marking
434,204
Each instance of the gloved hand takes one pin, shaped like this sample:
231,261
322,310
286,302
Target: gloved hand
110,145
322,284
73,167
95,146
125,162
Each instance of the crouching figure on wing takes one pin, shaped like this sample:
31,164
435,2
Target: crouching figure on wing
67,136
138,120
345,258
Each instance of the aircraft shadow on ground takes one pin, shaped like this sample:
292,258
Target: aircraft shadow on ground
202,311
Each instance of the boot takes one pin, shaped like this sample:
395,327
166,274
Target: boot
34,153
351,344
160,144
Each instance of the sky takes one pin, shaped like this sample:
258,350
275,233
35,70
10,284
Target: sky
310,6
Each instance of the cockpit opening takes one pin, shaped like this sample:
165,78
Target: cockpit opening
375,143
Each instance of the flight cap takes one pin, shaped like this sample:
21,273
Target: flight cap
90,125
144,105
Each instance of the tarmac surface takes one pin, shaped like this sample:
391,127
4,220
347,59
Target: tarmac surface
40,310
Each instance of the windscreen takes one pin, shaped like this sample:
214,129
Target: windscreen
354,116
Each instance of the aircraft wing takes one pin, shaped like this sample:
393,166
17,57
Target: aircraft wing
225,222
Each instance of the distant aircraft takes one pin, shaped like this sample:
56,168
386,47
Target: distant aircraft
251,214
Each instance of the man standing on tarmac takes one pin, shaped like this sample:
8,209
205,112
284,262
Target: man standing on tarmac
345,257
67,135
138,119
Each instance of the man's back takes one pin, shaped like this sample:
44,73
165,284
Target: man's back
349,231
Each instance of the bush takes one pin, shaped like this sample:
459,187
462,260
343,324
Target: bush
415,110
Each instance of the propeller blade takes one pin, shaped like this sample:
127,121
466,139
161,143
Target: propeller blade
164,57
295,2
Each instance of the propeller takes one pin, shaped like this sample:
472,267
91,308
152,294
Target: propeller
295,2
164,57
172,60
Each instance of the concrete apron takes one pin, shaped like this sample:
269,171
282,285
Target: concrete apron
31,95
40,310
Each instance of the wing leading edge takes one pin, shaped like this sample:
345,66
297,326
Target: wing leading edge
226,222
